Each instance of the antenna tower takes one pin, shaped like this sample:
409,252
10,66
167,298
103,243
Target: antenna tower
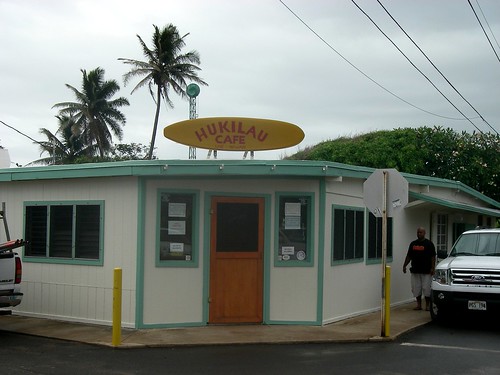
193,90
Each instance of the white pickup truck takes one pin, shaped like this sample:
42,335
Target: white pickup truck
10,274
468,280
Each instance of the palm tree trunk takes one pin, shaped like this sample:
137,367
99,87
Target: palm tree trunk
155,125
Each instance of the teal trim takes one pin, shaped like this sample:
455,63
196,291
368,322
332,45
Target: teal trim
321,250
309,261
64,203
450,184
267,255
199,168
139,283
455,205
73,260
181,263
186,168
334,262
102,216
378,260
172,325
76,262
296,322
206,256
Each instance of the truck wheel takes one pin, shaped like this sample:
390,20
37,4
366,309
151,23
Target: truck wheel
437,314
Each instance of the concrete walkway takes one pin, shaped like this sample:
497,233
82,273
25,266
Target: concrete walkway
359,329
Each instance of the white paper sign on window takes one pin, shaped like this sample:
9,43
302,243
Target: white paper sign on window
176,247
287,250
176,227
292,209
292,222
177,209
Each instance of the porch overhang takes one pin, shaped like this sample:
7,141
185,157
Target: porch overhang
423,198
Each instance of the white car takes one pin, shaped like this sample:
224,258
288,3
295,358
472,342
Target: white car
468,280
10,274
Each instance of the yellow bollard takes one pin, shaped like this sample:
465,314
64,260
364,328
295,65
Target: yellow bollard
117,307
387,301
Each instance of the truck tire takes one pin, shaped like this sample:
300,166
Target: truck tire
438,315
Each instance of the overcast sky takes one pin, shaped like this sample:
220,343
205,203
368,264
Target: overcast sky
260,61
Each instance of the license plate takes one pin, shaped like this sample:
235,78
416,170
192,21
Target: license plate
477,305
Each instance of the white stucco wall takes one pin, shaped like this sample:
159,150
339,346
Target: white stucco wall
79,292
171,295
175,295
353,289
293,291
348,288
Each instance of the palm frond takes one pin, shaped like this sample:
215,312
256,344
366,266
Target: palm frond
164,67
93,113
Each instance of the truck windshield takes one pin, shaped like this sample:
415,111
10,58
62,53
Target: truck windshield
477,244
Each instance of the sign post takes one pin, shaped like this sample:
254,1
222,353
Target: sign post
385,192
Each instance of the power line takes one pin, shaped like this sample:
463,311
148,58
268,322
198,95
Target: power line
484,31
411,62
487,23
435,67
20,132
363,73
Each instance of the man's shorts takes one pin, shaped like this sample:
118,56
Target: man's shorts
421,284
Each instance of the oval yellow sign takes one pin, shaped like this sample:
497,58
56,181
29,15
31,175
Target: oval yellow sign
235,133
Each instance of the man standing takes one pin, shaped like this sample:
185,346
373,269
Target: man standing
422,255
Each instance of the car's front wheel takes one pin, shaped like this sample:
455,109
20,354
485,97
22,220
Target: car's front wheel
438,314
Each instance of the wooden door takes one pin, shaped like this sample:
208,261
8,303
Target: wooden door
236,266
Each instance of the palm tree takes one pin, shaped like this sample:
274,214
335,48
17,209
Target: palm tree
67,149
93,112
166,68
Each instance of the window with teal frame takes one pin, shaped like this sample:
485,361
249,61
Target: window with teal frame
294,229
64,232
348,226
375,237
176,239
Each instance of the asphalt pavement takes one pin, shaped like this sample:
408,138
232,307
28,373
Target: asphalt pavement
367,327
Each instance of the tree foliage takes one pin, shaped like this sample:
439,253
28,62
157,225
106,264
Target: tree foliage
129,151
166,68
59,153
86,126
94,117
118,152
66,149
473,159
95,114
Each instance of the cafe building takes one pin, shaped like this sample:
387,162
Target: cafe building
214,241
